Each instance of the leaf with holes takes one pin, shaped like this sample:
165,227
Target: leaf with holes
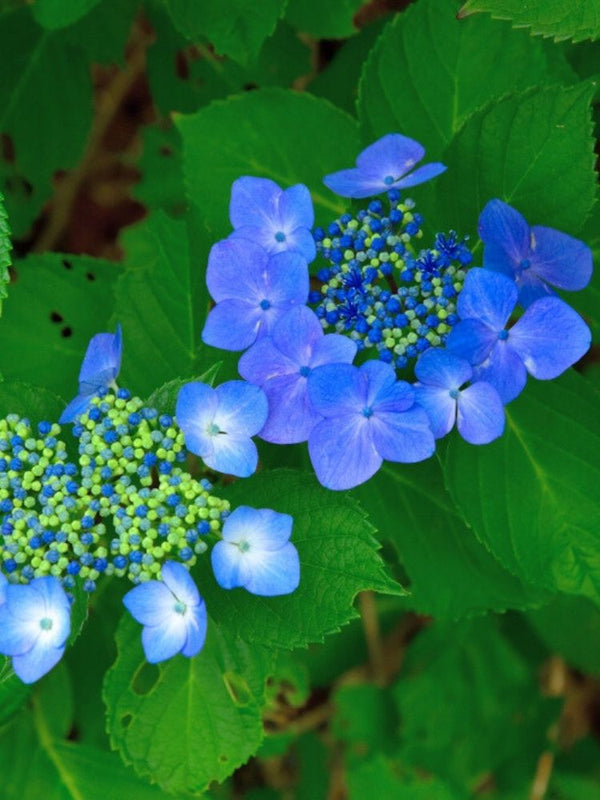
450,73
534,150
282,135
531,496
576,20
338,559
187,722
56,305
40,61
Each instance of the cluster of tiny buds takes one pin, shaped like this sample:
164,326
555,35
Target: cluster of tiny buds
126,508
379,290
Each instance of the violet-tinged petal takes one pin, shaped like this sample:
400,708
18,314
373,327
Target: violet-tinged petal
480,417
300,241
471,340
235,325
393,155
291,414
150,603
505,370
241,408
196,629
403,436
442,369
333,348
254,201
549,338
178,580
161,642
420,175
287,280
560,259
505,234
487,296
335,389
352,183
264,360
439,406
342,452
35,663
297,333
236,270
381,380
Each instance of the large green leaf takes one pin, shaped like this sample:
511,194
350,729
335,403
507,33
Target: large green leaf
576,20
452,574
532,496
332,20
428,72
521,149
33,402
338,559
53,14
5,248
386,779
56,305
46,131
187,722
235,28
161,300
283,135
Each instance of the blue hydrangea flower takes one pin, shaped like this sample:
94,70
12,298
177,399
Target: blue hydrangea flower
256,554
277,219
100,367
386,164
477,409
35,622
172,612
369,417
218,424
252,291
535,257
281,364
544,342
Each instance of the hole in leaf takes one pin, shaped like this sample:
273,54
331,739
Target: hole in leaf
126,720
165,150
7,148
56,317
67,264
66,332
182,69
90,276
145,679
238,689
250,87
223,759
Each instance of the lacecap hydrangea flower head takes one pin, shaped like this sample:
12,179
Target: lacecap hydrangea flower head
128,507
396,341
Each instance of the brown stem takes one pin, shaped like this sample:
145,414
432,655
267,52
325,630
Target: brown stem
370,620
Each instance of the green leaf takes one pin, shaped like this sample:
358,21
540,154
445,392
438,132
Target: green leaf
235,28
428,72
283,135
570,626
332,20
164,399
5,248
451,573
531,496
459,681
104,31
576,20
53,14
187,722
44,135
56,305
384,778
521,149
13,692
365,721
33,402
338,559
161,185
161,302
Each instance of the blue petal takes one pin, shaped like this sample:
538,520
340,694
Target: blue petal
352,183
263,361
196,630
3,585
439,406
262,528
333,348
505,370
505,234
297,333
532,288
195,411
404,436
480,417
336,389
34,664
291,414
301,241
242,408
56,604
161,642
383,387
296,208
77,406
287,280
179,581
393,155
102,361
560,259
235,325
549,338
226,561
271,573
442,369
150,603
254,201
487,296
424,173
233,456
471,340
16,636
342,451
236,270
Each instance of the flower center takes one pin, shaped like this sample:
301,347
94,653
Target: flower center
525,263
388,180
503,335
213,429
304,371
179,607
46,623
244,546
265,304
367,412
453,394
280,236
